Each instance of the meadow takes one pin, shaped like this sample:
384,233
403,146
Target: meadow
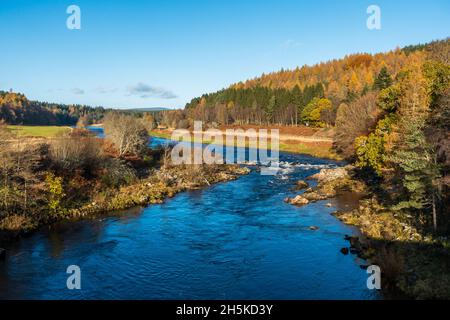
39,131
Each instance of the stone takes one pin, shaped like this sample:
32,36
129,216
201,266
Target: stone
313,228
314,196
344,251
299,201
326,175
300,185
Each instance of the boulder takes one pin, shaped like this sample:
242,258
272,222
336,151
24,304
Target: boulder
300,185
344,251
314,196
354,243
299,201
314,228
326,175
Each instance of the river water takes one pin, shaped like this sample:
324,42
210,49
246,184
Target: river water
233,240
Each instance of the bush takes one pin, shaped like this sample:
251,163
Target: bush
77,151
117,173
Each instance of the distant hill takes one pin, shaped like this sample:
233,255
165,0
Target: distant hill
16,109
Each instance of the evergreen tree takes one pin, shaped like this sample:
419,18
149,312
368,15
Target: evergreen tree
415,159
383,80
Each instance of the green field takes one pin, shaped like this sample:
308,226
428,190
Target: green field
38,131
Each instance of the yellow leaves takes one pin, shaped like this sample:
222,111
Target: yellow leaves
352,72
311,114
368,78
414,88
354,83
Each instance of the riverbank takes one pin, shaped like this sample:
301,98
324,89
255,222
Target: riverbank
413,265
316,146
160,184
54,176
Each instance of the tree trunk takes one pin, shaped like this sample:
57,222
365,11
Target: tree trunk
434,214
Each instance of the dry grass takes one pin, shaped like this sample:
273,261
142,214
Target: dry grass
16,223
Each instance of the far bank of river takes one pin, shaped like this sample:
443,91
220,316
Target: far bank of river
314,146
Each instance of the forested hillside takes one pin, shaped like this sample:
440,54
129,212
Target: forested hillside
310,95
15,108
390,112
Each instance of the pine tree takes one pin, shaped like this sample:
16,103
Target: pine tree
414,158
271,108
383,79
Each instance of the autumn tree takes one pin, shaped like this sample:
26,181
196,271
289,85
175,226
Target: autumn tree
149,121
354,120
312,113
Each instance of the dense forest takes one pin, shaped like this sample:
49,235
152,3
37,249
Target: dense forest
15,108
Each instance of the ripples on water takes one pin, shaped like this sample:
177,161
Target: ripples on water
234,240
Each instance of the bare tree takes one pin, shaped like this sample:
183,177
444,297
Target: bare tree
127,134
354,120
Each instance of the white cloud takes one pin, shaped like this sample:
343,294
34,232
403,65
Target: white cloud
146,91
77,91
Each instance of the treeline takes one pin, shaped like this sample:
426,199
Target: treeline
16,109
309,95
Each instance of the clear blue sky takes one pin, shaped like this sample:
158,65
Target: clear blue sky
163,53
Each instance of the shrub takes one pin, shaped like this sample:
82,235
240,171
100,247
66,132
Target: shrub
77,151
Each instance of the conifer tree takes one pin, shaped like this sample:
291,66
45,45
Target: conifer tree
383,80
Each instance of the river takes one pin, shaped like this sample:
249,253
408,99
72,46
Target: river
233,240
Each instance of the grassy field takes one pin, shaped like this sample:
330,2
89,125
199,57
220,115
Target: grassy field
38,131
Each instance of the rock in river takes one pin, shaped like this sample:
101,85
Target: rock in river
300,185
298,201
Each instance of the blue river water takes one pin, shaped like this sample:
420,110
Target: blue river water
233,240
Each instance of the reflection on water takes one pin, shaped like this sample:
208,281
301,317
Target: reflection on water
234,240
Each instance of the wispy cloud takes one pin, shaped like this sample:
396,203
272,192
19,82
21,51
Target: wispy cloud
290,44
77,91
146,91
105,90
